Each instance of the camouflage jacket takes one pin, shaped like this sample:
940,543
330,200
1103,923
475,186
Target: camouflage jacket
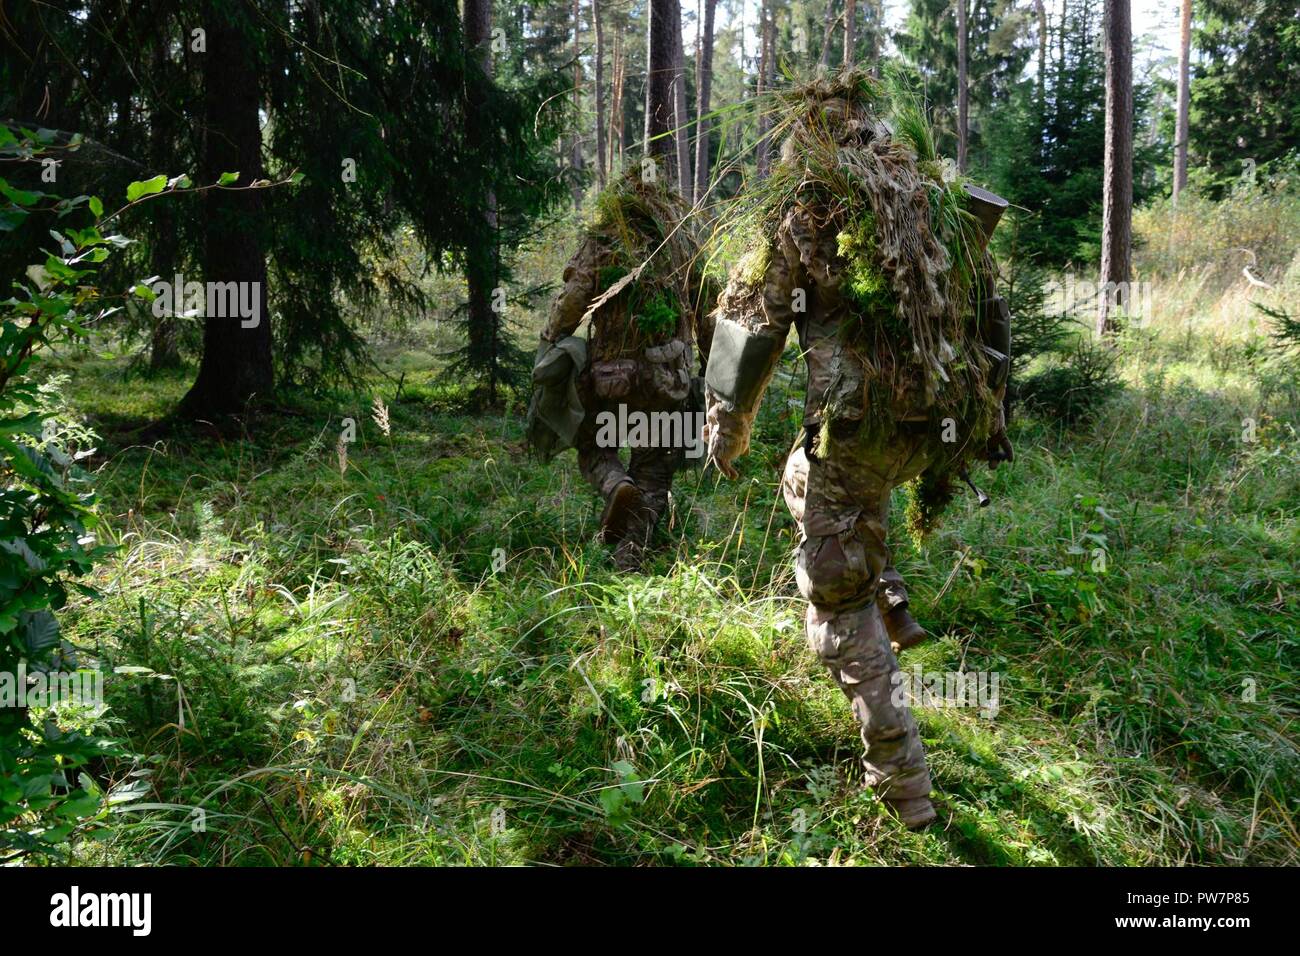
801,285
618,349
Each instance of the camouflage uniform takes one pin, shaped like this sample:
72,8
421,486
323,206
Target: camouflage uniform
625,367
837,485
891,596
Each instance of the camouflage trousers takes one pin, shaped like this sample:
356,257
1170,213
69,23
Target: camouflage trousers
840,501
650,469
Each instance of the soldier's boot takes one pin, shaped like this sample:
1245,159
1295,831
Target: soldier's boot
642,519
623,506
915,813
628,555
901,627
903,630
855,649
652,470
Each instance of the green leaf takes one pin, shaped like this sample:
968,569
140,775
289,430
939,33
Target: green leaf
11,219
96,206
22,197
40,632
225,179
85,805
29,424
146,187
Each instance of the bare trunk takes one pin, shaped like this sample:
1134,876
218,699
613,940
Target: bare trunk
1041,10
765,21
878,24
703,92
164,350
616,105
599,91
1181,130
237,365
664,19
1060,42
480,262
681,117
828,28
850,32
963,104
1117,185
579,166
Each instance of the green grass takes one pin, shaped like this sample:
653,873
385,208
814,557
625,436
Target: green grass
335,668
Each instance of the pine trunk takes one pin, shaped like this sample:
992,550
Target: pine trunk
1181,125
1117,184
703,92
681,117
850,34
1041,10
761,87
237,367
963,100
575,147
481,258
616,106
828,29
599,92
164,349
659,105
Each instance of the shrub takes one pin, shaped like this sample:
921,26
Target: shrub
1074,390
47,514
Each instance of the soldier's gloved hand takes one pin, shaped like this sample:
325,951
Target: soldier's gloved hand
725,439
999,448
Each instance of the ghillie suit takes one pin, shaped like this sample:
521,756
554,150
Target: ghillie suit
867,244
637,278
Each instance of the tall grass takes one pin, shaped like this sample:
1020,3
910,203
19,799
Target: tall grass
429,659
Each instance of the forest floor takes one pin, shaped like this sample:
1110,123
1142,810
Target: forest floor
428,658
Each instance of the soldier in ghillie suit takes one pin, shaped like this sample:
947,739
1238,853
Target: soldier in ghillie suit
637,277
875,251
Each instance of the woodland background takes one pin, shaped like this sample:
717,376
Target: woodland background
409,648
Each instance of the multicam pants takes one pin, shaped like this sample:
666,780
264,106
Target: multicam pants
840,499
651,469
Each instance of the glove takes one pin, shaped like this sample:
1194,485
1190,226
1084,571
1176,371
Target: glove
999,448
726,436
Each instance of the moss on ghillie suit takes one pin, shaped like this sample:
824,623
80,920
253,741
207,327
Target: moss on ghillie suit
858,167
647,269
870,246
637,277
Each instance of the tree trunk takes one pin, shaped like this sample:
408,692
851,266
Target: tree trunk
483,322
1181,130
850,32
164,350
878,24
616,105
681,117
1117,186
1060,44
703,92
237,365
963,103
659,104
828,28
765,19
575,151
1041,10
599,84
